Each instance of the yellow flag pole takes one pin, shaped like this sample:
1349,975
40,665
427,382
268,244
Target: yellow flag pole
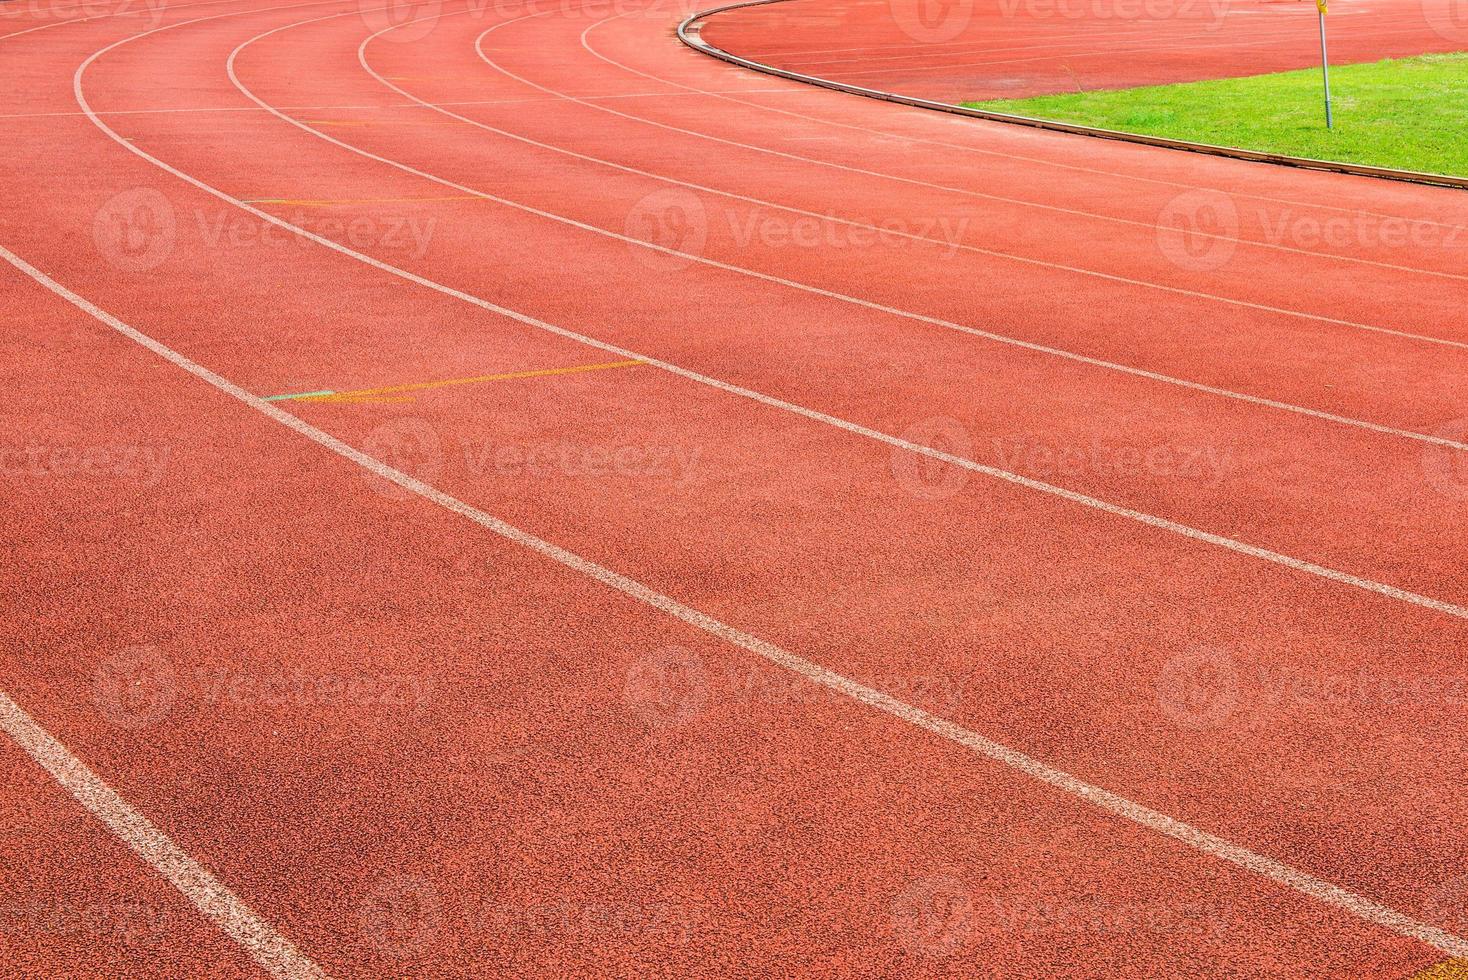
1325,63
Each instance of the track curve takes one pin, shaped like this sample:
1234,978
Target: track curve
1013,429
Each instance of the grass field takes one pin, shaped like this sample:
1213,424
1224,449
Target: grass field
1409,114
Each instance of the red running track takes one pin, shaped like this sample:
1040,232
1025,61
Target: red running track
1011,554
970,50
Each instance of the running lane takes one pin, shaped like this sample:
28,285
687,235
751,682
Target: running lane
742,820
1001,49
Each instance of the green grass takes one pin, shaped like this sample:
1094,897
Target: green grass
1409,114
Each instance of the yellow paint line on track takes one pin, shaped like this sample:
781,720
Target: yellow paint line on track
324,203
384,394
359,399
1446,970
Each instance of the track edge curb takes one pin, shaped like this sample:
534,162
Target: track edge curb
689,27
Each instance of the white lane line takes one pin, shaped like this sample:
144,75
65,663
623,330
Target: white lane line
1008,256
1084,500
931,116
164,7
1092,215
1015,133
391,105
793,90
732,268
714,263
1169,47
276,954
1330,894
933,321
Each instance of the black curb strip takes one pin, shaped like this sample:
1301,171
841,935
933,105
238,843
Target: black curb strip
688,34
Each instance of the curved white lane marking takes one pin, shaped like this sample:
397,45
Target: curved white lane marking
894,311
1161,523
275,954
1200,840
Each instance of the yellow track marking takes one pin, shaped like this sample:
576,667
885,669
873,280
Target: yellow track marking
309,203
355,399
371,394
1446,970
